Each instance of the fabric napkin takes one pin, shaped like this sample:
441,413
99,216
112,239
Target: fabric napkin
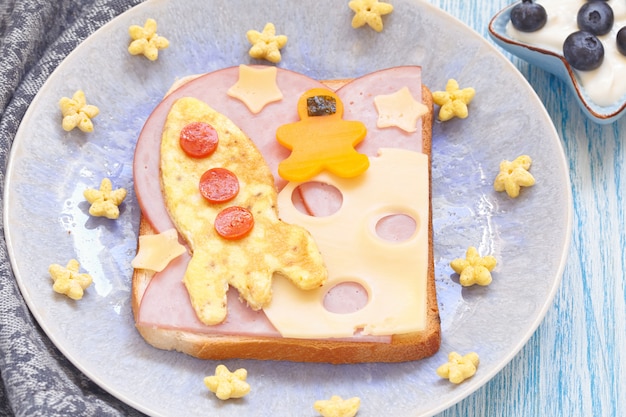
36,379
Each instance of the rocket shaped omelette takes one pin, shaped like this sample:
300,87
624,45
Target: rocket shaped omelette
221,196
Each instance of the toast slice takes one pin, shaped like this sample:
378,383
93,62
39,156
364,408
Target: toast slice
400,348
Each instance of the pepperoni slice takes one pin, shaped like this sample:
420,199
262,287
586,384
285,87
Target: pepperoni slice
234,222
219,185
198,139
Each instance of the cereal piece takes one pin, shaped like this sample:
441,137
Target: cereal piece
370,12
474,269
453,101
514,175
266,45
225,384
399,109
256,87
68,281
105,201
77,113
459,368
145,40
338,407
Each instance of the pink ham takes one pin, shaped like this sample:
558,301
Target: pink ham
165,305
165,302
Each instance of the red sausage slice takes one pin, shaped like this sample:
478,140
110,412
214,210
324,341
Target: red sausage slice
234,222
198,139
219,185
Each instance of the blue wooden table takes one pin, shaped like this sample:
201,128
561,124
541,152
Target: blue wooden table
575,363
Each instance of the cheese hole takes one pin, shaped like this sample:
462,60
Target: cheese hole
346,297
396,227
317,199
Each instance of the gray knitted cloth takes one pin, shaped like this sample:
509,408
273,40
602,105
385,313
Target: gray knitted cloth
36,380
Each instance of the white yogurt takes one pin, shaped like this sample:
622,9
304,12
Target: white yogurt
604,85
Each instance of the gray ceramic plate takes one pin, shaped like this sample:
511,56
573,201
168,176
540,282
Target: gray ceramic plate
46,215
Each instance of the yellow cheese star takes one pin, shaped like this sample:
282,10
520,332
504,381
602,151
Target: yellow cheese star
225,384
474,269
266,44
370,12
453,101
77,113
145,40
156,251
514,175
105,201
68,281
399,109
256,87
459,368
338,407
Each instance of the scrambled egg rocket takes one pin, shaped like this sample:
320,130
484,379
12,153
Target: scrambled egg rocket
213,226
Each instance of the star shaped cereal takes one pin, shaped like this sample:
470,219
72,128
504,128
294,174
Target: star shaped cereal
370,12
266,45
225,384
474,269
105,201
145,40
338,407
256,87
453,101
77,113
68,281
459,368
514,175
399,109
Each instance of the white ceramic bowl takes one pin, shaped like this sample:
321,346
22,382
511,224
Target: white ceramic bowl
555,64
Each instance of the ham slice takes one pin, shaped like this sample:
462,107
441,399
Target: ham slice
166,302
212,89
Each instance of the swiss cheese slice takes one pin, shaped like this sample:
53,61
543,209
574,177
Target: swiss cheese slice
393,273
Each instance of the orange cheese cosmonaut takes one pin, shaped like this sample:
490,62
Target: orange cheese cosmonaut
321,139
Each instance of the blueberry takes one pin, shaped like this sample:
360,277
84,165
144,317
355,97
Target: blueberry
595,17
528,16
583,50
621,40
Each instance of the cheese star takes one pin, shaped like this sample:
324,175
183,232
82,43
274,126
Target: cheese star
225,384
399,109
105,201
338,407
145,40
156,251
459,368
514,175
474,269
370,12
256,87
453,101
77,113
68,281
266,45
